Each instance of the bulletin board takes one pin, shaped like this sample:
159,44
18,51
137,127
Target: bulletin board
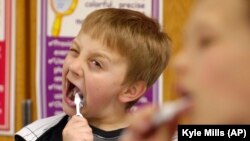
7,63
58,22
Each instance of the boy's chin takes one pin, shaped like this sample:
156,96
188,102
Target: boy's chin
68,110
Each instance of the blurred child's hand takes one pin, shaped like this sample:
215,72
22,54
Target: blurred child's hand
77,129
142,128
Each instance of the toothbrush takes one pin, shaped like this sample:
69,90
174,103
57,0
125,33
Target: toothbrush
77,101
168,111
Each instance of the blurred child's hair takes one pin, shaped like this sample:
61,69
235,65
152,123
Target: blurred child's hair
134,36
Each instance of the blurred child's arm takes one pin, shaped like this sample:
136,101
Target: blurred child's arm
142,128
145,128
77,129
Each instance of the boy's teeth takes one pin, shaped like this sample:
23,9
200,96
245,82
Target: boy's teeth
73,90
76,90
71,95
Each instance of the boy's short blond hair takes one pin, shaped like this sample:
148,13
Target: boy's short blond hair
134,36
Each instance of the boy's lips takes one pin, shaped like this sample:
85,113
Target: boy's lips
187,94
183,91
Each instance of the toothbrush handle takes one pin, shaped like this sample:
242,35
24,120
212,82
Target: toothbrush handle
78,110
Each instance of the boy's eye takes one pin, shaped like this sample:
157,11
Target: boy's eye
205,42
73,50
96,64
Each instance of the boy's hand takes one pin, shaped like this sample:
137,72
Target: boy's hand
77,129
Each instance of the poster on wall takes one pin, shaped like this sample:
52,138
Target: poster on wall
59,21
7,58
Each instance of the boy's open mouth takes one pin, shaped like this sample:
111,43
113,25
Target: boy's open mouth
183,92
72,90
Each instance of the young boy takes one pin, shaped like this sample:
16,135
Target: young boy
115,57
213,69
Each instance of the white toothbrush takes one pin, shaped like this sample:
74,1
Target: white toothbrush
78,103
168,111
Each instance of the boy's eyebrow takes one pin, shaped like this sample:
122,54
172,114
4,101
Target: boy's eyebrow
98,54
102,55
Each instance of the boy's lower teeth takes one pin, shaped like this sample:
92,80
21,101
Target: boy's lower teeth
71,96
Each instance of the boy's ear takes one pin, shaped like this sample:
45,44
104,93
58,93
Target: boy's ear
133,92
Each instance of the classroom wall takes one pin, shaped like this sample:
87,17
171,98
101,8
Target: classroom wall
175,14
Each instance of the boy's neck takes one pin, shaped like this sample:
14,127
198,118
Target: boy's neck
112,122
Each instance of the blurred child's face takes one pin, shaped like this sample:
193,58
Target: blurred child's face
214,66
94,71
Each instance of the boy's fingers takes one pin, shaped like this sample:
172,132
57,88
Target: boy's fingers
76,120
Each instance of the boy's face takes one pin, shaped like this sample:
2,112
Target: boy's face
97,73
214,68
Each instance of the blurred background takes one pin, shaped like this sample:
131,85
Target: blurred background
34,36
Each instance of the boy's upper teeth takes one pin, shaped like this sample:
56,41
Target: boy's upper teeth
76,90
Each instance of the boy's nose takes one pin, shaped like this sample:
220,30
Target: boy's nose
76,68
